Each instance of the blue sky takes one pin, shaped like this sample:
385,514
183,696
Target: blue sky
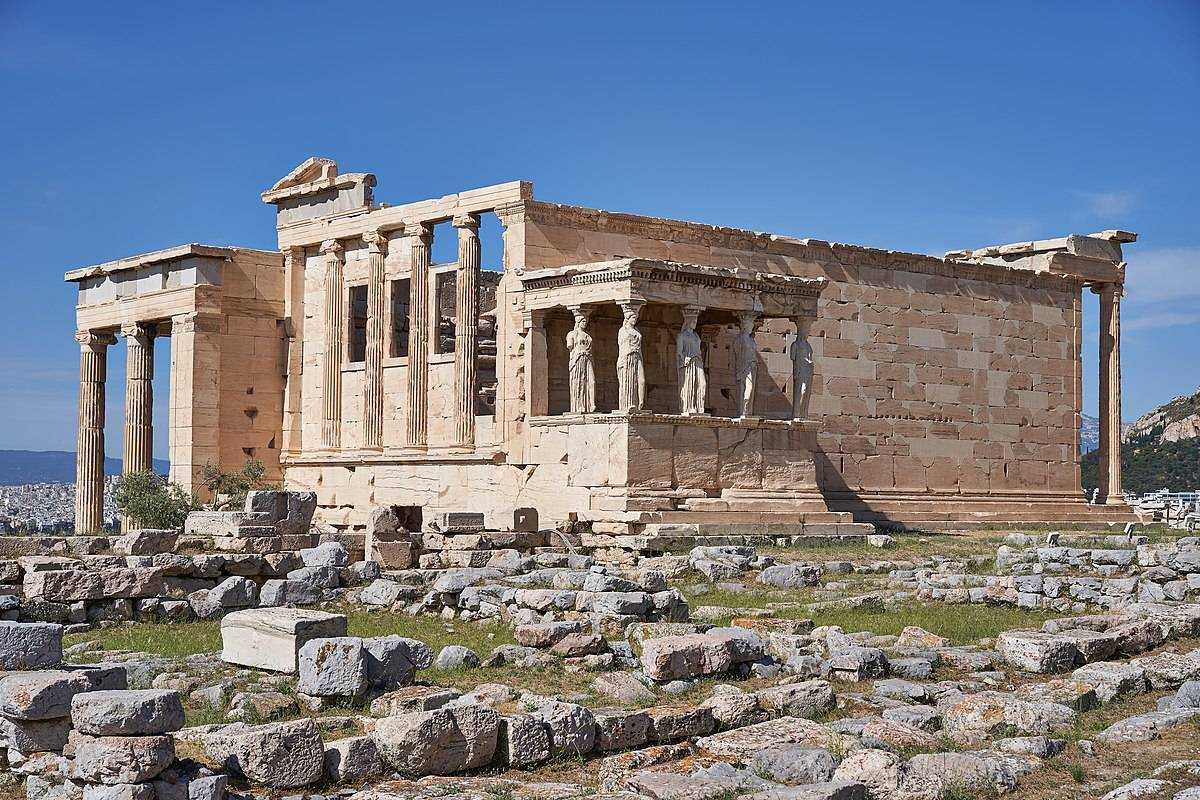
922,127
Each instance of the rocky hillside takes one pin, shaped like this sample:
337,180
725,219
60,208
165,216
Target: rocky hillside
1174,422
1160,450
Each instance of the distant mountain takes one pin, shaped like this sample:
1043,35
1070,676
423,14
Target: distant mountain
51,466
1089,434
1161,450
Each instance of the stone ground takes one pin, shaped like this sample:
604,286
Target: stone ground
854,604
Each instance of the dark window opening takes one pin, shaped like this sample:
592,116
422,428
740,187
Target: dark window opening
358,324
400,318
445,302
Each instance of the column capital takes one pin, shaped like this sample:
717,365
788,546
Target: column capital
376,241
331,247
294,252
419,230
89,339
468,221
510,213
137,330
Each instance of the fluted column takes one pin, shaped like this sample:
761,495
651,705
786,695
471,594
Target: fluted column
1110,393
373,375
138,444
331,377
416,430
466,329
89,443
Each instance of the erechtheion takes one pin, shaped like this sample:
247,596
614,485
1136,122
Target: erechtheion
632,375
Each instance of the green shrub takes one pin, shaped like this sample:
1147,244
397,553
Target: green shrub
229,489
152,501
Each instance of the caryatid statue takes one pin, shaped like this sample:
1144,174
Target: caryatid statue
580,370
631,377
802,370
745,364
689,359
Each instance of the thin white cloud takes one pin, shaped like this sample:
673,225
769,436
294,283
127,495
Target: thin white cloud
1162,287
1107,205
1170,319
1162,273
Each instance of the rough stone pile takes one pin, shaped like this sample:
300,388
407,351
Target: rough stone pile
544,587
122,742
173,586
1074,579
1062,645
271,522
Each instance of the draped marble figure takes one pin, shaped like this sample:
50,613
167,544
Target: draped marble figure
582,374
802,371
745,365
693,385
631,377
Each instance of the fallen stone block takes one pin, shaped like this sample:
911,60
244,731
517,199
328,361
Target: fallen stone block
352,760
440,742
984,715
1037,652
35,736
280,755
332,667
40,695
411,699
620,729
1146,727
271,638
805,699
30,645
122,759
282,592
130,712
523,741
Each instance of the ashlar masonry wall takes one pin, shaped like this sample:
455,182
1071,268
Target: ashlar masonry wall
934,378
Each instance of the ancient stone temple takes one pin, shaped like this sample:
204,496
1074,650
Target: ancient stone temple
635,375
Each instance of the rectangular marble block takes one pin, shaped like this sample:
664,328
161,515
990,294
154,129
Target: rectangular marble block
271,638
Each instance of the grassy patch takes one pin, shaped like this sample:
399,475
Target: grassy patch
908,546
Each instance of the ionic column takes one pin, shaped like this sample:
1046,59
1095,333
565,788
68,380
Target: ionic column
466,327
139,397
138,443
89,442
416,432
1110,393
331,376
373,374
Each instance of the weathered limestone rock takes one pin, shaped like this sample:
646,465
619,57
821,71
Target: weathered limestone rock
352,760
929,776
271,638
440,742
146,542
122,759
572,727
790,576
131,712
30,645
411,699
620,729
283,592
990,714
882,772
280,755
622,687
805,699
35,736
332,667
1146,727
40,695
1112,680
1038,652
390,660
795,764
329,554
524,740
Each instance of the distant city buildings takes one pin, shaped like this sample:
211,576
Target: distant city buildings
48,507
